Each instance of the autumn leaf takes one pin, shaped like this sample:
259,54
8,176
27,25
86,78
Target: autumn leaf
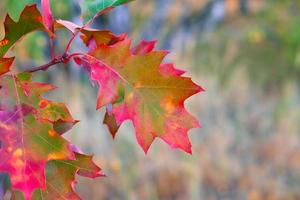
110,121
94,8
134,84
58,114
30,20
140,88
4,184
63,187
15,7
5,64
28,139
47,15
90,37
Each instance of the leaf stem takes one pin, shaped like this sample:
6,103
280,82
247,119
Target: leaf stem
70,41
52,48
76,33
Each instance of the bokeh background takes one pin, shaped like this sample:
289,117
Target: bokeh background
245,53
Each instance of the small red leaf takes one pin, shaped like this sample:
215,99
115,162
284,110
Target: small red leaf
5,64
91,37
110,121
47,15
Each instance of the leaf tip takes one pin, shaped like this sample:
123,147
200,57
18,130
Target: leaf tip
190,151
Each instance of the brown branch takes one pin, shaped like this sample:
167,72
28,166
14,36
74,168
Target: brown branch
45,66
60,59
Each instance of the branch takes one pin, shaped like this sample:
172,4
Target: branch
60,59
46,66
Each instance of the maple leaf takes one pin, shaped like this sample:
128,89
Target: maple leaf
30,20
28,139
63,187
94,8
136,86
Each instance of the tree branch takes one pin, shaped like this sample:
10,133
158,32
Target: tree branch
46,66
60,59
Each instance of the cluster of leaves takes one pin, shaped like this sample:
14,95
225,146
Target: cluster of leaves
133,83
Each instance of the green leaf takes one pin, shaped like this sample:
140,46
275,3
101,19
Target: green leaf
15,7
30,20
94,8
60,177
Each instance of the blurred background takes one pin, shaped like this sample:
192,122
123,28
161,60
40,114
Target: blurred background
245,53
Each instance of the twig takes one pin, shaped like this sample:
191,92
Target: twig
60,59
76,33
52,48
45,66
